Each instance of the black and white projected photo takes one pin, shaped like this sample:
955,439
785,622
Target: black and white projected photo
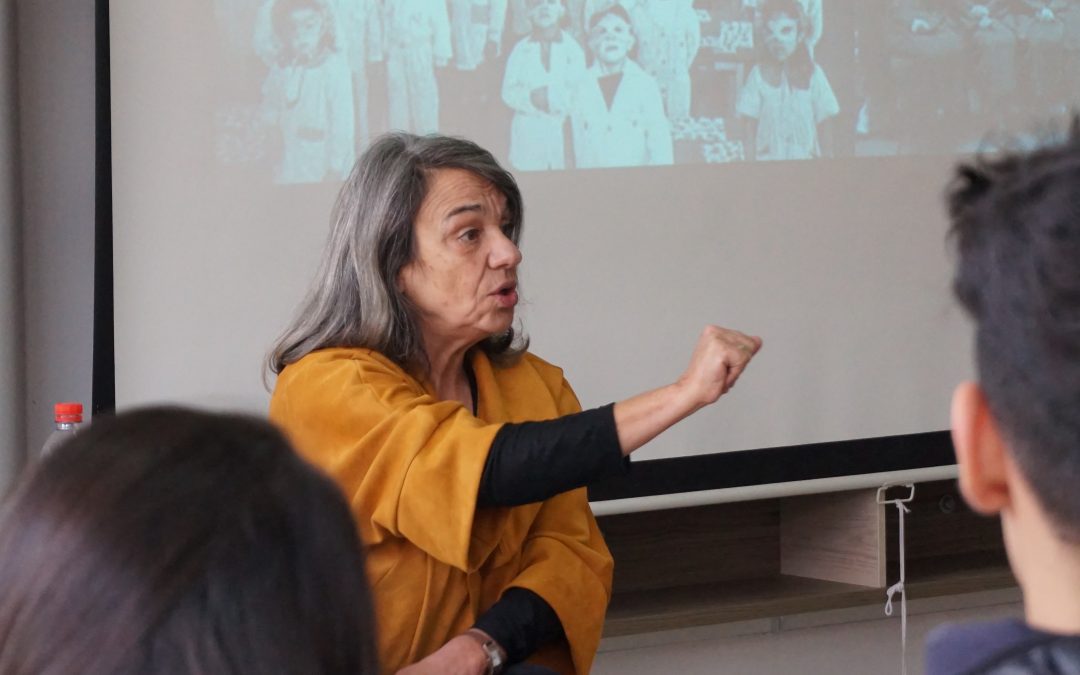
303,85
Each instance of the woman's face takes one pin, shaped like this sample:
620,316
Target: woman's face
462,280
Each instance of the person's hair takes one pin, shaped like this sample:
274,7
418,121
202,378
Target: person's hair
281,19
1016,232
355,300
800,67
617,10
175,542
563,21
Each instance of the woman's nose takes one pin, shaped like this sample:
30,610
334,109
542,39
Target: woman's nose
505,253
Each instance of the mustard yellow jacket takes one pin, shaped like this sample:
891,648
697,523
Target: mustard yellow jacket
410,466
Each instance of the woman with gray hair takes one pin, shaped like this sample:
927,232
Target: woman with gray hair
462,455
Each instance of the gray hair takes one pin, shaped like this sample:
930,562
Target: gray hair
354,300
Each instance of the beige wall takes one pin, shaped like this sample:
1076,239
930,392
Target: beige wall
56,111
11,313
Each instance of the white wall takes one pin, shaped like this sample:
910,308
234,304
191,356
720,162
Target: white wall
11,359
56,112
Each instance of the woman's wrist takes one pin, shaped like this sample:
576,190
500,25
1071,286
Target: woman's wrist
643,417
684,399
494,656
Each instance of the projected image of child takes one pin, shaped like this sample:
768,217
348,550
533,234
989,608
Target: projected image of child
416,36
576,18
618,114
308,94
814,16
669,36
786,103
541,74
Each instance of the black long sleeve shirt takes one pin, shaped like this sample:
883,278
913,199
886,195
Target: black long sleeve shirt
530,462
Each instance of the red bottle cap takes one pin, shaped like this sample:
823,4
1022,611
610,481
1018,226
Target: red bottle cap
68,412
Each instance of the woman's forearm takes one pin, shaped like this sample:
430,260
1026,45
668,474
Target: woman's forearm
533,461
642,418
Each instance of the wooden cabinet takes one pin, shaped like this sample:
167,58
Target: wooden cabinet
720,563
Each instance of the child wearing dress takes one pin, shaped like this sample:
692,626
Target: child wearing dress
786,103
541,74
308,94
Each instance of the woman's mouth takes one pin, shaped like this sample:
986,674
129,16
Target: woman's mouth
506,296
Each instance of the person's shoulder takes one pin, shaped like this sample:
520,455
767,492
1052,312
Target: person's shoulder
540,365
336,59
570,42
531,365
522,45
344,355
992,647
321,365
633,70
752,86
819,74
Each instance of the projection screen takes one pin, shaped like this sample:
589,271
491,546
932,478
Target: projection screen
771,166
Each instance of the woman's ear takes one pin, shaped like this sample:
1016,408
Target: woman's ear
981,452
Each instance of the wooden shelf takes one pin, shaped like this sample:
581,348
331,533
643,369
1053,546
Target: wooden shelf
954,575
692,606
701,566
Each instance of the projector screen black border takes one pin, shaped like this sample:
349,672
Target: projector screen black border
103,380
693,473
766,466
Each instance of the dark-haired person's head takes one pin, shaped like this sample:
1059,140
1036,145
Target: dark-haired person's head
305,29
783,31
172,541
1016,231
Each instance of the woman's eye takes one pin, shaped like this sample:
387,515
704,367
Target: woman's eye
470,235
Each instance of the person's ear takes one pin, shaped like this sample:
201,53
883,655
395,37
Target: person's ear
981,452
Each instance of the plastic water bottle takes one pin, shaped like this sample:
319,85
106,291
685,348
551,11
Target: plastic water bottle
68,417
